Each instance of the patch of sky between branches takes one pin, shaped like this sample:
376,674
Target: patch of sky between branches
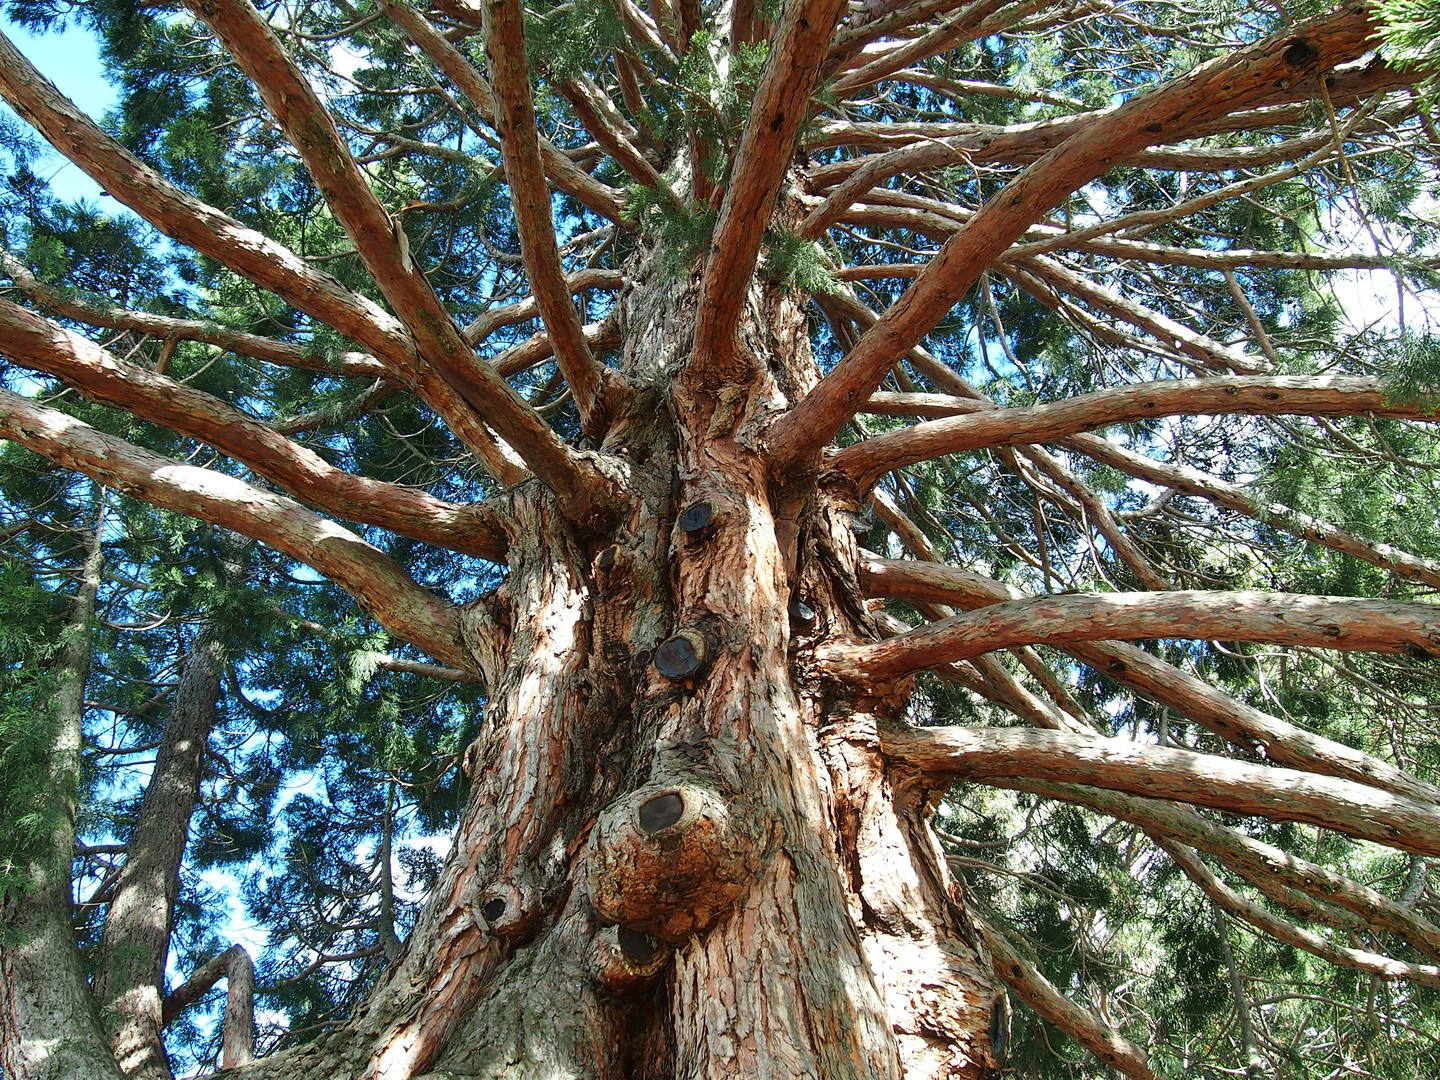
70,58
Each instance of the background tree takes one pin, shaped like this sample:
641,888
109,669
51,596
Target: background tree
650,457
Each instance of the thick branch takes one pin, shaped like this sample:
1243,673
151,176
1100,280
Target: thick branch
404,608
518,129
1243,725
995,756
1211,90
33,342
383,247
1253,395
1331,622
781,106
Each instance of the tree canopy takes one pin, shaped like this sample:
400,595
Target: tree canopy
1125,369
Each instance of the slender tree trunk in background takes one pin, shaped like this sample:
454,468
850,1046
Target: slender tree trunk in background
49,1026
130,963
677,860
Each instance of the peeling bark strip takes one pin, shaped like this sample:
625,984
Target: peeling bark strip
996,755
1254,395
402,607
1331,622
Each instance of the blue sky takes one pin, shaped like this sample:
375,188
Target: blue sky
71,60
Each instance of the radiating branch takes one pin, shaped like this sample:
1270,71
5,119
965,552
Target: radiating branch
593,386
582,489
998,755
1242,724
780,107
28,340
404,608
1254,395
1301,52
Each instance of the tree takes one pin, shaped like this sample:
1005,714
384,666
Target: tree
802,516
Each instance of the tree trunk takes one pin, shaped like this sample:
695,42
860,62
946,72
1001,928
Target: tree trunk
681,856
130,964
49,1026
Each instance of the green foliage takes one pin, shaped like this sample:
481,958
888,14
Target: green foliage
1414,377
797,263
1410,30
682,235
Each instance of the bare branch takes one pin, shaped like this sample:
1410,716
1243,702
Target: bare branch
1079,1023
1287,879
781,106
1254,395
998,755
36,343
404,608
1209,91
1242,724
238,1032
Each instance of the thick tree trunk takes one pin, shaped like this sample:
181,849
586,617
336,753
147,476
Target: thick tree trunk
681,857
49,1026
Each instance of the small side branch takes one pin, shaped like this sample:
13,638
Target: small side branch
235,967
996,756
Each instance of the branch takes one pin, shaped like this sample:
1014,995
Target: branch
518,129
185,218
998,755
1285,878
1203,348
1375,964
1079,1023
62,302
235,967
1189,481
249,253
1253,395
1299,53
780,107
581,488
402,607
1245,726
1329,622
30,341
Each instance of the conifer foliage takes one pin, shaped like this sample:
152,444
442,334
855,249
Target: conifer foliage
669,539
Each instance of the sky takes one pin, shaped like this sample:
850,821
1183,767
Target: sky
71,60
